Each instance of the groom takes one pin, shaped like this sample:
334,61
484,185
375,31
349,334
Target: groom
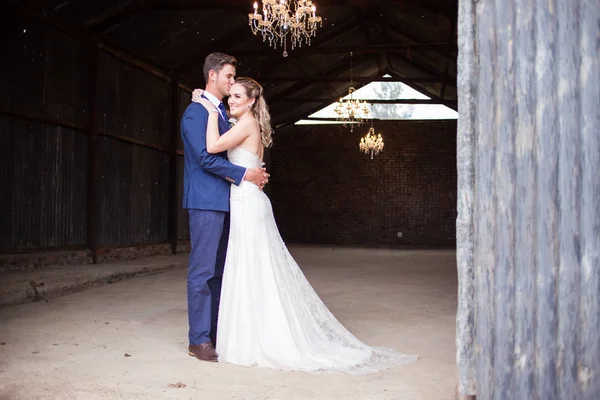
206,183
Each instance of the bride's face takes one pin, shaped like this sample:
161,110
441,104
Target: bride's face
239,102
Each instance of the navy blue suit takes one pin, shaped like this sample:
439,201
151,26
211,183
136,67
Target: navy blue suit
206,182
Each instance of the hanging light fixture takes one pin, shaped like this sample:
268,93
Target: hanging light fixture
371,143
352,111
279,19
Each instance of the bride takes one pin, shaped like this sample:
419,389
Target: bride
269,314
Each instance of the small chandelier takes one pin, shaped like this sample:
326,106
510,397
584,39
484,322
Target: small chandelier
352,111
280,18
370,143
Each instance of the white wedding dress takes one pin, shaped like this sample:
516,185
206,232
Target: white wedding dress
269,315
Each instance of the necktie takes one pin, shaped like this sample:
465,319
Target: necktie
223,111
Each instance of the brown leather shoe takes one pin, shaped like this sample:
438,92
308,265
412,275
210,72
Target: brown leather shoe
204,351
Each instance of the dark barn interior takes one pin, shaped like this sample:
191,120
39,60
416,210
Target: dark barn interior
92,94
471,243
91,170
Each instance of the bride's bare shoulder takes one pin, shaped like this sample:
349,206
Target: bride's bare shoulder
251,123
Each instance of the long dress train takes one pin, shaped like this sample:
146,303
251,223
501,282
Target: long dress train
269,315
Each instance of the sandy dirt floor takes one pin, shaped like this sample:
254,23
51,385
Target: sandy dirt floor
128,340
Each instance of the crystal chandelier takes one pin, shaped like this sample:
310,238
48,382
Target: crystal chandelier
351,110
280,18
371,143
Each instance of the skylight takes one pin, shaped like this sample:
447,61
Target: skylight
388,91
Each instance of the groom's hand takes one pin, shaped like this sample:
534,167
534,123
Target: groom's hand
258,176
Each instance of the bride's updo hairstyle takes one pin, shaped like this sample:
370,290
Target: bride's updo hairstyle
260,110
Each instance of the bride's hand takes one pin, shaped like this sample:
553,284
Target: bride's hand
210,107
197,95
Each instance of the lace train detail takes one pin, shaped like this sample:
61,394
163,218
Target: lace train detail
270,316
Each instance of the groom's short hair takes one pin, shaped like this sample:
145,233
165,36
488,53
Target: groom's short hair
216,61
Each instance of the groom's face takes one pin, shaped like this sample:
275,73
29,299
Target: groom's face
224,79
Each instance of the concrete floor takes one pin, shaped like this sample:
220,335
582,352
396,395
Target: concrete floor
128,340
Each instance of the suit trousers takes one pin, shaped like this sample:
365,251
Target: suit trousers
209,233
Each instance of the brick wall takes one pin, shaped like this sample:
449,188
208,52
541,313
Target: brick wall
324,191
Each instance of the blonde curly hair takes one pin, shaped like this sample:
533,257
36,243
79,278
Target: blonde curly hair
260,109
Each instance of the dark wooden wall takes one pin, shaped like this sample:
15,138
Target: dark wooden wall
91,158
87,144
325,191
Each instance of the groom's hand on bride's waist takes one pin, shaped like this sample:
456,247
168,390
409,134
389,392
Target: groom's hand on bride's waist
258,176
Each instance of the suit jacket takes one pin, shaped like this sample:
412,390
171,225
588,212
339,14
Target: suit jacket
206,177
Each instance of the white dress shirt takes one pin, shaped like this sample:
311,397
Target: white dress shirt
216,103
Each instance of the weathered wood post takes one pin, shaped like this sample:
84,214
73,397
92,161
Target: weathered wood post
465,158
529,81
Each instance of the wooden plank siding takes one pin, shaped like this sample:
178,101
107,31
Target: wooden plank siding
531,103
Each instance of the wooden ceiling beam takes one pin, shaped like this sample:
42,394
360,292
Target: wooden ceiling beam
422,89
322,38
63,5
324,35
280,122
375,48
324,102
222,45
446,49
449,103
444,78
447,68
334,70
247,4
428,70
47,16
115,16
387,60
360,79
233,38
341,66
170,5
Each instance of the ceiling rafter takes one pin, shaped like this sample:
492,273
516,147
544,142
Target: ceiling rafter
447,68
247,4
360,79
116,16
324,102
305,113
304,68
387,60
363,14
448,9
334,70
374,48
374,101
222,44
391,69
340,67
50,17
321,39
63,5
328,34
386,54
450,48
428,93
